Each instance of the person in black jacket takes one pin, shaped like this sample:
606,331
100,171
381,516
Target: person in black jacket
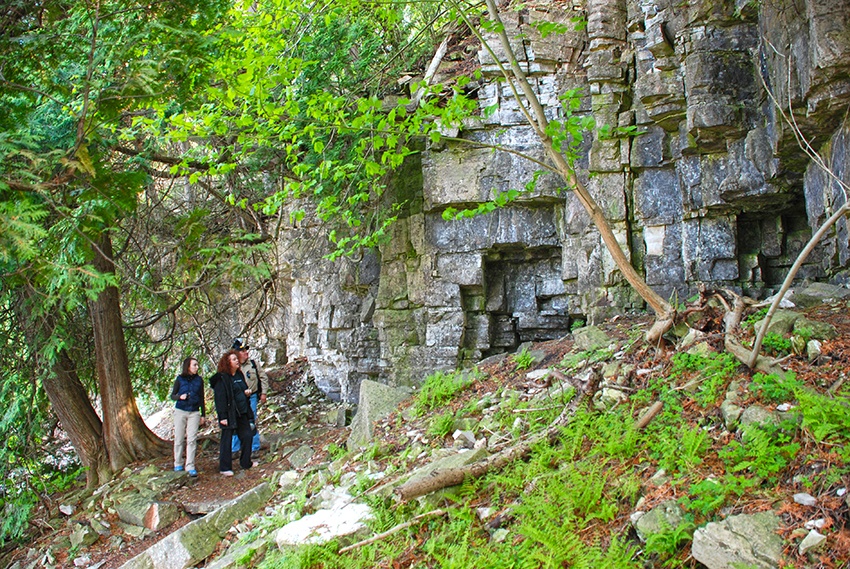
234,412
188,392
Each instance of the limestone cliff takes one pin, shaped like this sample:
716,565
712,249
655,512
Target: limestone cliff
714,189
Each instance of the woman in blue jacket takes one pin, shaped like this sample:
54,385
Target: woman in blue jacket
189,413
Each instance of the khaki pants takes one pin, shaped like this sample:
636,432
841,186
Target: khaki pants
186,436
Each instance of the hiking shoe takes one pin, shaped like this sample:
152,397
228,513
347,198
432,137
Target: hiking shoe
227,473
178,469
193,473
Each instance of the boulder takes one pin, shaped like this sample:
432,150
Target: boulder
301,456
805,499
814,349
747,540
288,481
197,540
376,402
812,542
590,338
781,323
731,414
817,293
83,536
756,415
132,508
324,525
817,330
138,510
608,398
161,514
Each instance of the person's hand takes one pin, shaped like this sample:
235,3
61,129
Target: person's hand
184,396
248,393
263,398
223,422
203,422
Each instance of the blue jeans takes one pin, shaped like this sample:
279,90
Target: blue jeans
255,442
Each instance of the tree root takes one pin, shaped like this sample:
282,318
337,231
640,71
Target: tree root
735,305
658,329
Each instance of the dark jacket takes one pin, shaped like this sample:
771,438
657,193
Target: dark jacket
193,387
230,400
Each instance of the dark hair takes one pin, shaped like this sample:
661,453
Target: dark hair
186,363
224,362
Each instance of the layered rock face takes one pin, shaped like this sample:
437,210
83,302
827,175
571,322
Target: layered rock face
713,188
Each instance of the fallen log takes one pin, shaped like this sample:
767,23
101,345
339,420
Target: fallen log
439,479
649,415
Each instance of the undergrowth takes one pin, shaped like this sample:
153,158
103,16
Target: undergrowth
564,505
440,387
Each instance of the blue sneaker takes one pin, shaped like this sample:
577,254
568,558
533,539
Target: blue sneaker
193,473
178,469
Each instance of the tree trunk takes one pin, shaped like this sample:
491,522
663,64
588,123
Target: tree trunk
68,397
125,433
71,404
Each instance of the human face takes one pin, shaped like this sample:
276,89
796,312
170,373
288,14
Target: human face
233,360
243,356
193,367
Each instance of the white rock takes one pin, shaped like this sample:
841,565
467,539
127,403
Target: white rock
66,509
805,499
840,492
82,561
812,541
288,480
537,374
484,514
784,407
324,525
815,524
784,303
466,437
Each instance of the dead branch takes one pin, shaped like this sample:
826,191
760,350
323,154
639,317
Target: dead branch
439,479
429,73
649,415
389,532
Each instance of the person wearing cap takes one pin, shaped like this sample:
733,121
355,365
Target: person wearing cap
257,381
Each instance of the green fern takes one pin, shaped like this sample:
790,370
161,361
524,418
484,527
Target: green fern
668,542
441,425
441,387
523,360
